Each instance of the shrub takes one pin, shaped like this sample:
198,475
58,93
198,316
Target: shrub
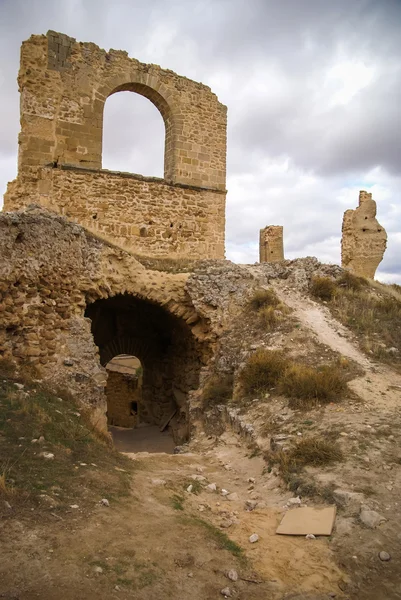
351,282
305,385
323,288
316,452
218,390
264,298
263,370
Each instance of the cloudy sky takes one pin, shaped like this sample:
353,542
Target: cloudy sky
313,89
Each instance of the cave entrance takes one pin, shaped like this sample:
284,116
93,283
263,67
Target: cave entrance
162,346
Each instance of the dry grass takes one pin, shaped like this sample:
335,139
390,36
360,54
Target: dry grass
28,414
218,390
264,298
306,386
314,451
349,281
376,319
263,370
269,308
323,288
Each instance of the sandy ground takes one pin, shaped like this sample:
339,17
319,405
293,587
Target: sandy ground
142,439
145,547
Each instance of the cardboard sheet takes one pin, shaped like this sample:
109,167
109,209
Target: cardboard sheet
301,521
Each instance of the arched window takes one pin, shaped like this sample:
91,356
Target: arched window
133,135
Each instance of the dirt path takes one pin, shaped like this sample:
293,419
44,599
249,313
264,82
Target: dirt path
165,542
382,386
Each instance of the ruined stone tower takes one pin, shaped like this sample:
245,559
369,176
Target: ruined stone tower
363,240
271,248
64,85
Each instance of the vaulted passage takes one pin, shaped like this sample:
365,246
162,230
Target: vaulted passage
168,353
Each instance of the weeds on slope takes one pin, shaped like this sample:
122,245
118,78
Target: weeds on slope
304,386
370,309
50,453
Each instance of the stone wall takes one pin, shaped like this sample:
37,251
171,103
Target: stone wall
64,86
271,247
52,271
145,215
364,240
121,391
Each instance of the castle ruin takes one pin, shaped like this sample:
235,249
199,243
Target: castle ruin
271,247
364,240
64,85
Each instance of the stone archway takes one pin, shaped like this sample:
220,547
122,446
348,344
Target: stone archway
164,343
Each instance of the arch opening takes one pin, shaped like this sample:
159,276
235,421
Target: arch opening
124,391
134,135
168,353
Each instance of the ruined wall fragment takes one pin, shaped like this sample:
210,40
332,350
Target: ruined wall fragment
364,240
271,246
64,86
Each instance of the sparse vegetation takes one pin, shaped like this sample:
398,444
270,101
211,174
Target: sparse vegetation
177,502
222,539
263,370
349,281
323,288
264,298
269,308
34,421
311,451
218,390
305,386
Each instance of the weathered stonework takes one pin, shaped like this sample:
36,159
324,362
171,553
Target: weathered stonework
364,240
64,86
121,391
271,247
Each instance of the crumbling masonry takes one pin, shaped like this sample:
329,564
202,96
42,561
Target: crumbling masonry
271,247
364,240
64,85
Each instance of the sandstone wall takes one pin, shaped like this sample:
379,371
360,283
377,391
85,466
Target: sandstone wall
52,271
146,215
64,85
121,391
271,247
364,240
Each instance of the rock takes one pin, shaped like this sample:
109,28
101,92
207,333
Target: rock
7,505
74,506
251,479
384,556
158,482
233,497
224,492
251,505
226,592
226,523
104,502
294,501
351,500
198,477
371,518
211,487
190,488
47,455
253,538
98,570
232,575
68,362
19,386
41,440
310,536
